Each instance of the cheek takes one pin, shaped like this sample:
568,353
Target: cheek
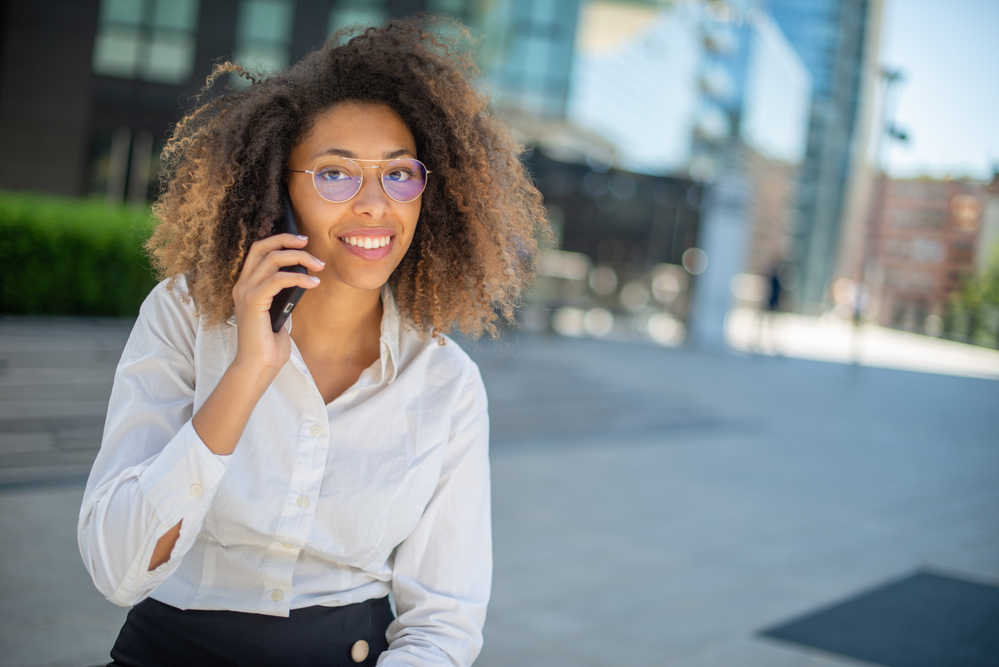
412,228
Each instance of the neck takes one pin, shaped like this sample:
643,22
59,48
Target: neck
338,321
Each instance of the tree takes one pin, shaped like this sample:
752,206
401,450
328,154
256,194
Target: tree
976,302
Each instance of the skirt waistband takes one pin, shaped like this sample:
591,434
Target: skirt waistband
157,634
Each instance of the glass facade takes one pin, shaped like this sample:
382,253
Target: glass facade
775,93
263,34
643,96
152,40
533,67
831,37
349,12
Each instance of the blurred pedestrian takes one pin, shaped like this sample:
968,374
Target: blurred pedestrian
770,309
258,495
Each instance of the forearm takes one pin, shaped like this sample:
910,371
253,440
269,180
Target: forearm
123,518
220,423
222,418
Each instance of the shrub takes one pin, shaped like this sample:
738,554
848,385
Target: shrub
61,256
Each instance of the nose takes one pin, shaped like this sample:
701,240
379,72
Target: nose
371,199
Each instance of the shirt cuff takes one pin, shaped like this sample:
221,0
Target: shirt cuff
183,475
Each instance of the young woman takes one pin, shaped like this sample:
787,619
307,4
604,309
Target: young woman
258,495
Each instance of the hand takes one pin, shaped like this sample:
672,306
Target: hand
259,348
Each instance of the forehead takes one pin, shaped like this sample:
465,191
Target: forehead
364,129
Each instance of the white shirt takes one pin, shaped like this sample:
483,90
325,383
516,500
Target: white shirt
384,489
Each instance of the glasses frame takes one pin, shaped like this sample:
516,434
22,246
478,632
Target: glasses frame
381,177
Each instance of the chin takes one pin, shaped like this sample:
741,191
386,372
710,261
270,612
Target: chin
367,282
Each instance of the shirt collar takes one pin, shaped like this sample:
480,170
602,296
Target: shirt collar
390,334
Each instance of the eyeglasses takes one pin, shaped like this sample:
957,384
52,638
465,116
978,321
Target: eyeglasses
339,179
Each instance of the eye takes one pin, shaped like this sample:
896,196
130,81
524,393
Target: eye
332,174
400,173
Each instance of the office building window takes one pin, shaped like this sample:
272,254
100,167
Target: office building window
152,40
454,8
533,71
349,12
263,34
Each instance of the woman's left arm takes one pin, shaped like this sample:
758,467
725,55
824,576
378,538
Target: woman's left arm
442,572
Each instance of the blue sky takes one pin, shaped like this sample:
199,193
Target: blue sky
949,102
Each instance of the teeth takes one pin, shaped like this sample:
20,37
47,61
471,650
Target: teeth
367,242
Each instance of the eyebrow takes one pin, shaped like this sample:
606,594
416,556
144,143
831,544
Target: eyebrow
339,152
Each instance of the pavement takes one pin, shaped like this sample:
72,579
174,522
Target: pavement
651,506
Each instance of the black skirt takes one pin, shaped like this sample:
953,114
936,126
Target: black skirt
156,634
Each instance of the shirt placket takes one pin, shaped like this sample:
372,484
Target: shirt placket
301,501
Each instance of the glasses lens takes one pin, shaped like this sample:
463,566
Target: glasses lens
404,180
337,181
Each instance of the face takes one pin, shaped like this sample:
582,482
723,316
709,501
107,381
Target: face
338,233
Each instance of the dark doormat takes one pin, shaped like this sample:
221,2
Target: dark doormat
925,620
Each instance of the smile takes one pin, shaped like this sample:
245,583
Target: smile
371,248
366,242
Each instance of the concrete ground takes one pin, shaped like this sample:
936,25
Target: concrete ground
651,506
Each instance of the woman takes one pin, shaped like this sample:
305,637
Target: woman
258,495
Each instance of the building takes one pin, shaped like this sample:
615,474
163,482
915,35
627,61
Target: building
95,85
837,41
641,88
527,52
927,241
710,91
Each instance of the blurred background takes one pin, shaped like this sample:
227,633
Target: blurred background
695,157
754,384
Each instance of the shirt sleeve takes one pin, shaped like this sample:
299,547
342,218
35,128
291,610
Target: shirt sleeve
152,470
442,572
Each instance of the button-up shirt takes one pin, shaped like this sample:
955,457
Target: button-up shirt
385,489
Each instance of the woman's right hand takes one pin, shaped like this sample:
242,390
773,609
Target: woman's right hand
259,348
260,352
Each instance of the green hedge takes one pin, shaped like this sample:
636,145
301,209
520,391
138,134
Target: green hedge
61,256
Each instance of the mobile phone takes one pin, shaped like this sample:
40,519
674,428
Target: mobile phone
286,300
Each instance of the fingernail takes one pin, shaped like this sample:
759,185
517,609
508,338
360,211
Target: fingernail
304,238
314,279
321,262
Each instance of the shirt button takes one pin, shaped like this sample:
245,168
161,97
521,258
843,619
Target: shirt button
302,501
316,430
196,489
277,595
359,651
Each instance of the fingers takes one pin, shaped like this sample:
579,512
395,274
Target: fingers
264,247
259,297
267,256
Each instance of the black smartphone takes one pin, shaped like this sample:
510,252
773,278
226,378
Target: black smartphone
286,300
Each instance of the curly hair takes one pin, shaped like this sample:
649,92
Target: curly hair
476,243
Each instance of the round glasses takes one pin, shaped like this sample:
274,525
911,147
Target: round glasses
337,180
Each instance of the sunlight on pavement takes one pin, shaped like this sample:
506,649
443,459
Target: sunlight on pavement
830,338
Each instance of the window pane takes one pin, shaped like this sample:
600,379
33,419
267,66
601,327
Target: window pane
452,7
121,11
176,14
116,51
265,20
366,14
171,58
262,56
